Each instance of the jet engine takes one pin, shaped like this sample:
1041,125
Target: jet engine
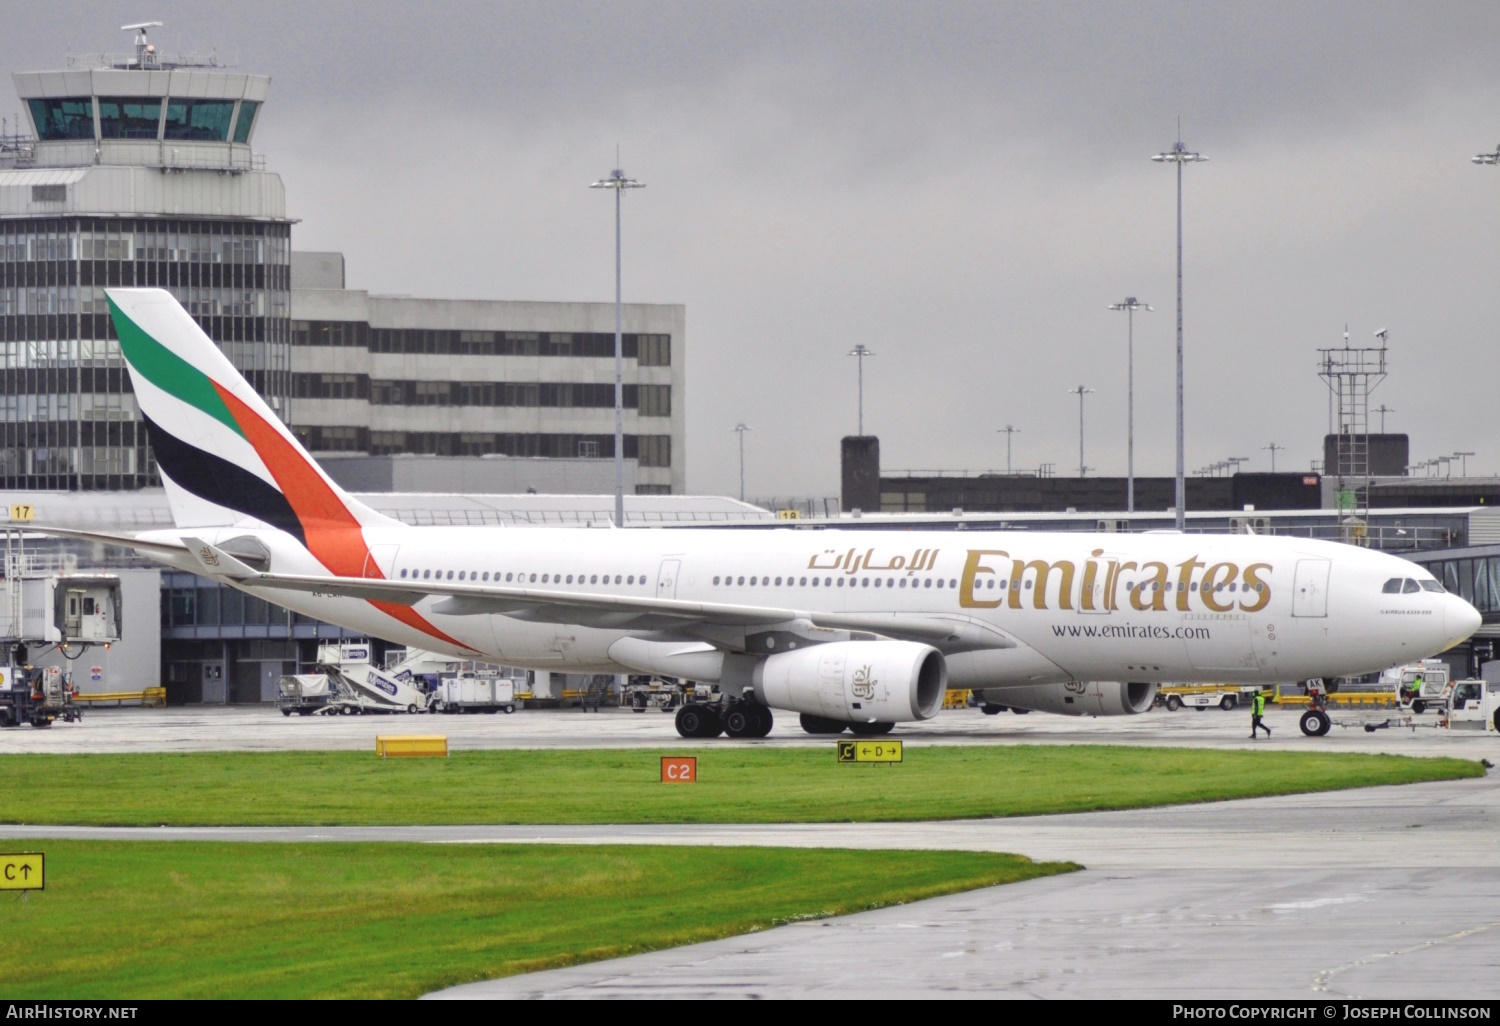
856,681
1078,698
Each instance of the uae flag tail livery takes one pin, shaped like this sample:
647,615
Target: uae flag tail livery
227,460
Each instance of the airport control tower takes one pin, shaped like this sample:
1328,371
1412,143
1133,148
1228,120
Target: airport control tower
138,171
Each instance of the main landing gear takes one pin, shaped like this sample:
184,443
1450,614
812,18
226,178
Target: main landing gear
736,719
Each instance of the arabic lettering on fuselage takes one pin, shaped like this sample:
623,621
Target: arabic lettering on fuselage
853,561
1189,585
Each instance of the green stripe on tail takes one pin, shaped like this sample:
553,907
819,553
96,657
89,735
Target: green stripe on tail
168,371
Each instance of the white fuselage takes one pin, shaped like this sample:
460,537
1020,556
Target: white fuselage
1139,607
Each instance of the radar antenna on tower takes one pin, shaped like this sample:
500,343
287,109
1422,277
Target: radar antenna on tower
145,52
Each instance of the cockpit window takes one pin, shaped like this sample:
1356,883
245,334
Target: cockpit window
1410,587
1392,587
1432,586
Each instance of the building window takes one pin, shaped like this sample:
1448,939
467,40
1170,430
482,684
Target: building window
199,120
654,351
654,400
246,120
129,118
71,118
654,450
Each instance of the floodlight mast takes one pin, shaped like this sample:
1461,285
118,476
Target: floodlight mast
740,429
1130,306
1007,431
618,182
861,351
1273,448
1080,391
1179,155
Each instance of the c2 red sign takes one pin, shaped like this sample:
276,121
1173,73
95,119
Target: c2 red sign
679,769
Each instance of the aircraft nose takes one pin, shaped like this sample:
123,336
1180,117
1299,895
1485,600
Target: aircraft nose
1460,618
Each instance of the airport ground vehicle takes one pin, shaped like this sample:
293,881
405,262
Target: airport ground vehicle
472,692
664,693
358,686
1435,677
1203,696
304,693
1473,705
37,696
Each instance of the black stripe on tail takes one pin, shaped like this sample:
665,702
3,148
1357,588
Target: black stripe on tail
216,480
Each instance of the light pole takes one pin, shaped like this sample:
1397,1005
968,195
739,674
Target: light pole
1272,449
1463,463
860,352
740,429
619,183
1080,392
1179,155
1007,431
1130,306
1232,463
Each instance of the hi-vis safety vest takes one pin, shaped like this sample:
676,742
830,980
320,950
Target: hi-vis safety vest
1258,705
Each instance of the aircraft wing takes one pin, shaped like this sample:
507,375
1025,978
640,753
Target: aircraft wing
613,612
108,538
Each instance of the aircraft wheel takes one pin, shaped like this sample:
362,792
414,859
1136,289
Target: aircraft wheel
764,721
871,729
694,720
1315,723
1173,703
821,724
990,709
740,720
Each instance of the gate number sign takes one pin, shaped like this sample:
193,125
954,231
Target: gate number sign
23,871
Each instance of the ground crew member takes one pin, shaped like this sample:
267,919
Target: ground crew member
1258,710
1416,688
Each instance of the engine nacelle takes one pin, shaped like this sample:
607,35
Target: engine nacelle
1078,698
856,681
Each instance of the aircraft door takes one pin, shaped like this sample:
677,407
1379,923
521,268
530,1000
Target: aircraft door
666,578
381,561
1310,588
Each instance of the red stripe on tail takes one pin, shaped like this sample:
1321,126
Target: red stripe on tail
334,536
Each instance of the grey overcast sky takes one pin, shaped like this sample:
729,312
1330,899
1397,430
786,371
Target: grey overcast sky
963,187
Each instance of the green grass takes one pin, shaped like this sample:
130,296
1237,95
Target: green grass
203,920
736,785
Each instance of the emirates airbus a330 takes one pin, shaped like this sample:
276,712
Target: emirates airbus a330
857,630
